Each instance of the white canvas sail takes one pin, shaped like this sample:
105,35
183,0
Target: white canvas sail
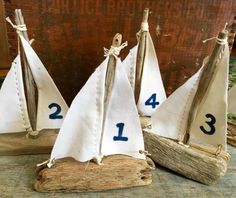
51,105
209,125
232,100
170,118
130,65
80,134
152,92
13,109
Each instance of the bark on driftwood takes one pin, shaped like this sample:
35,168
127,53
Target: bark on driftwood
117,171
231,135
190,162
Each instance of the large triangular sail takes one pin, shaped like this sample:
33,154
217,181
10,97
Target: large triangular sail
13,108
51,105
81,133
209,123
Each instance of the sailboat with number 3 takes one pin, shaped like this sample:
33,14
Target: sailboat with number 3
195,116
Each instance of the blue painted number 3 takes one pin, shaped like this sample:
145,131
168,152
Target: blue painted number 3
152,101
56,114
211,125
120,127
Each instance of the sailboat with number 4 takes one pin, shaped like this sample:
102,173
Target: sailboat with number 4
194,116
17,135
143,72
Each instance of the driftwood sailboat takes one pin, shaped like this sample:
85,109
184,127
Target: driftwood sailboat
143,71
102,125
231,135
23,129
187,133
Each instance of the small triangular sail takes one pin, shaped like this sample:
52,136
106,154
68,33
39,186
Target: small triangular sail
13,109
80,134
152,92
51,105
209,125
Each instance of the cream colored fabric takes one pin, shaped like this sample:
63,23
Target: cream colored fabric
209,125
13,109
81,132
51,106
215,103
152,88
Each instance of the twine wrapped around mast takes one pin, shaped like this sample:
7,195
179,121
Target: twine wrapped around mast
144,28
19,28
218,40
115,51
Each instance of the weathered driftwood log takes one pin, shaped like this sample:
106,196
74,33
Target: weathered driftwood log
117,171
231,135
199,164
19,144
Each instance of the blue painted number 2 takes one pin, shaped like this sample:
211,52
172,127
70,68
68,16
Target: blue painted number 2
152,101
56,114
211,124
120,127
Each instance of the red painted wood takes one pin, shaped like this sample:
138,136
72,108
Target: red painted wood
70,34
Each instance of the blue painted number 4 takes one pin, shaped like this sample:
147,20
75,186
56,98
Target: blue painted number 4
152,101
56,114
120,127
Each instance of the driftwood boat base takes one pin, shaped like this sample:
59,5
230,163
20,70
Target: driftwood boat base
19,144
117,171
193,163
231,135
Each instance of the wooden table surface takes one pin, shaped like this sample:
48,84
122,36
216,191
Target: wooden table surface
17,174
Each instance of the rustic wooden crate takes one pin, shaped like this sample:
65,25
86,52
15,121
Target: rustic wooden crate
70,35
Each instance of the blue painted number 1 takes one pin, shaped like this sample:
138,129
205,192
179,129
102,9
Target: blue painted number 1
56,114
152,101
120,127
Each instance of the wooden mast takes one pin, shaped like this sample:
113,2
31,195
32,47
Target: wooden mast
119,171
109,80
140,57
204,82
29,84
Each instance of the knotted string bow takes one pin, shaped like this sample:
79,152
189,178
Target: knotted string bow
115,51
19,28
